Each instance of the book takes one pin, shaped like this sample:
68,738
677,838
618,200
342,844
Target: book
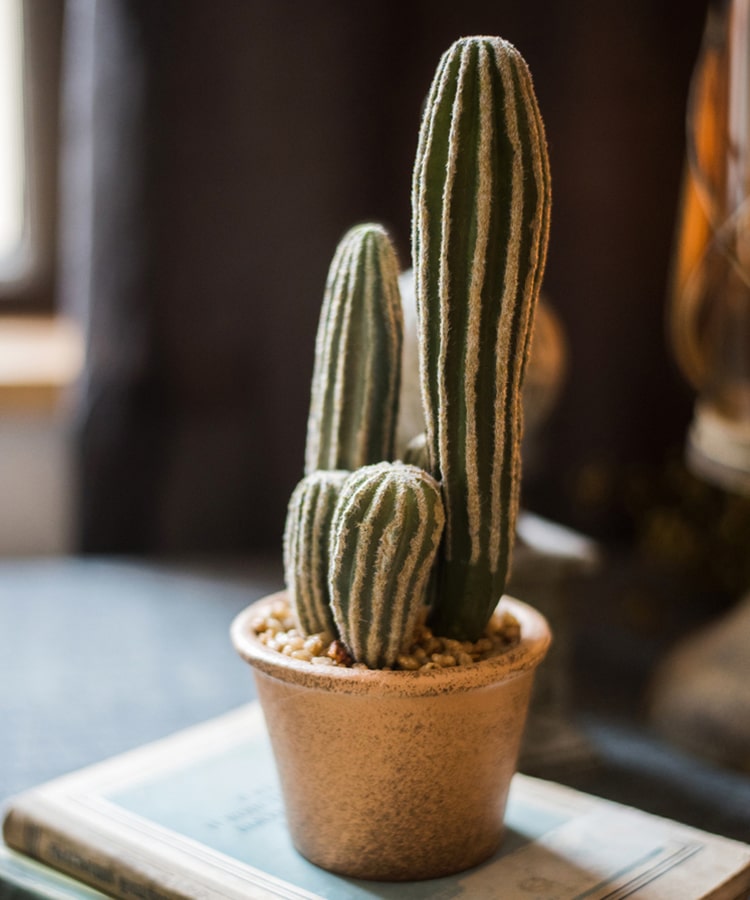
22,878
199,815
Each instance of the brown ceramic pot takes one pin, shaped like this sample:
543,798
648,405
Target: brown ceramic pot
395,775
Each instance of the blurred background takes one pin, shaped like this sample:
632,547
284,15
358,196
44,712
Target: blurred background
187,170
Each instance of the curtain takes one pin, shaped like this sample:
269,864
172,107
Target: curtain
214,153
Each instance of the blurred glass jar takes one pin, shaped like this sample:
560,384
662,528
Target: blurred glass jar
710,304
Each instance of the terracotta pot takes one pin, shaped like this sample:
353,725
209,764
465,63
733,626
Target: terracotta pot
395,775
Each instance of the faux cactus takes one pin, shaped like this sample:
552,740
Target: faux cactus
481,204
481,201
356,379
306,538
384,537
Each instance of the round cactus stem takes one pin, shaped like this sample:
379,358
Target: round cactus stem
306,539
384,538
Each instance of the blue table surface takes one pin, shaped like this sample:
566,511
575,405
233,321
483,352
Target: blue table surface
99,656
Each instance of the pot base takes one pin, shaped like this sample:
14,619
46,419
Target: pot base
372,869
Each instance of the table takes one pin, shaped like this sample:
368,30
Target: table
100,655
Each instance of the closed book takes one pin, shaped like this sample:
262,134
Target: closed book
23,878
199,815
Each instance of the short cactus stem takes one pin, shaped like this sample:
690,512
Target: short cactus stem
417,453
306,538
357,374
384,538
481,200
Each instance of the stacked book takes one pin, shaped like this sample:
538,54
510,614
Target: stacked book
199,815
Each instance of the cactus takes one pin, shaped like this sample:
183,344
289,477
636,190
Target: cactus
365,551
306,538
384,537
479,235
357,371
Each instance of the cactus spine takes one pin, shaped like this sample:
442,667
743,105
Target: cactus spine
357,371
481,200
384,538
306,538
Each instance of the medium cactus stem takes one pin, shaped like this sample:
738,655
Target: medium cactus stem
384,538
357,374
306,538
481,200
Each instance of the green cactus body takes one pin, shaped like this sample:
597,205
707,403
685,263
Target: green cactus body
384,538
481,201
306,538
357,371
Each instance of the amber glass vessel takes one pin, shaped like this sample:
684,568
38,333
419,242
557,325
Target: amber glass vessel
710,308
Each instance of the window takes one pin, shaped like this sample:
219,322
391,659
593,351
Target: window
12,176
30,38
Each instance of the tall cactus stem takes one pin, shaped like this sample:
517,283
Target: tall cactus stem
481,200
357,373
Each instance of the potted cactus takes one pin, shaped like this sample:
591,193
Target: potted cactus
394,686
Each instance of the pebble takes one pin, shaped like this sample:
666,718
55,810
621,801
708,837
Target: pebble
278,631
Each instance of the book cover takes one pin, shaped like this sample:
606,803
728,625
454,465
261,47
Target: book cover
199,815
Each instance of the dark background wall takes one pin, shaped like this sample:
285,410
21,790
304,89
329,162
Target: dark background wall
216,152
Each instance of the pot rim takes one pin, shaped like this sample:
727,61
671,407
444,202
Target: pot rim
526,655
